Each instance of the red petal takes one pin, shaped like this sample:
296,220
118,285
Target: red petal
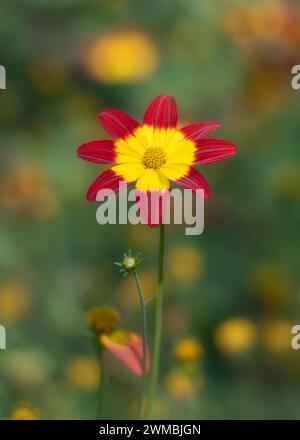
136,345
212,151
98,151
199,130
107,180
162,112
118,124
153,205
194,180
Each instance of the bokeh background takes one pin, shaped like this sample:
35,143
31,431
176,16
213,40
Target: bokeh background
232,294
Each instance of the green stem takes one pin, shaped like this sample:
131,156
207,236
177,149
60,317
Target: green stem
144,337
158,326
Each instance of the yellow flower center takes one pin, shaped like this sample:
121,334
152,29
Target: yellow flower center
154,157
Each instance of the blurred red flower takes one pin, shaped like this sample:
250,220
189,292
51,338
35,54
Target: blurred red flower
127,347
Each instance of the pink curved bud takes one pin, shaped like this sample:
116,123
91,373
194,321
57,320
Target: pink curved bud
128,348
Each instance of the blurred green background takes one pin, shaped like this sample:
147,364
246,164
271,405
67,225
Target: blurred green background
232,294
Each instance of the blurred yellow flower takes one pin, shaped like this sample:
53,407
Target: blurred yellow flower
24,411
276,336
15,302
272,284
181,386
236,336
121,56
127,289
83,373
103,319
188,350
186,264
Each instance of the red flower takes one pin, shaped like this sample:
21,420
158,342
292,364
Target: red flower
127,347
154,153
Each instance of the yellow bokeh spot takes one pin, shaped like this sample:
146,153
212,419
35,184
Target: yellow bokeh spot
83,373
24,411
186,264
181,386
276,336
15,303
121,56
236,336
188,350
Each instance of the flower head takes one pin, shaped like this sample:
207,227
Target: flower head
24,411
103,319
153,154
130,263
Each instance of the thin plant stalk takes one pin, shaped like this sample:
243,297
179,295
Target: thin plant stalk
144,338
158,327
